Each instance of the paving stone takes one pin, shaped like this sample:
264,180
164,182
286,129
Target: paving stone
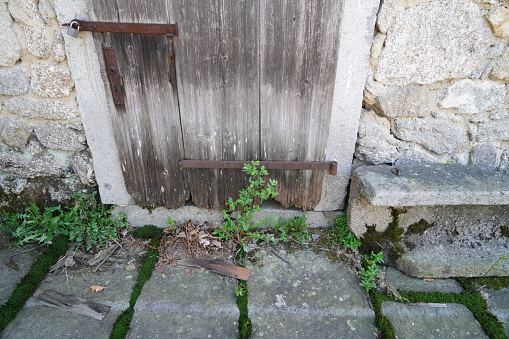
406,283
39,321
454,321
498,304
312,297
186,306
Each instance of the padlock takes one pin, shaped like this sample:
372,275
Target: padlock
74,29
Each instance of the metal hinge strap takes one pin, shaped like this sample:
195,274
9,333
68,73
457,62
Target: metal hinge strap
113,75
332,166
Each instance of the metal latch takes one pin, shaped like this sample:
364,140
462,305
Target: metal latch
332,166
169,30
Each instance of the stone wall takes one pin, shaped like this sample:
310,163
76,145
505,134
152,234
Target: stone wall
437,89
43,152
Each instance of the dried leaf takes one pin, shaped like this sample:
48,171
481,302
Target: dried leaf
193,232
216,243
97,288
428,279
205,242
130,267
203,236
181,235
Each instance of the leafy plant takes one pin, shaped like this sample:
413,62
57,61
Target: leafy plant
295,228
371,271
246,205
87,221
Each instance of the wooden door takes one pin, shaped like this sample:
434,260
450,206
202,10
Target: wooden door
254,82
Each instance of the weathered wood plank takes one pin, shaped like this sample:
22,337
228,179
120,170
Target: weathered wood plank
217,75
219,267
73,304
298,56
147,129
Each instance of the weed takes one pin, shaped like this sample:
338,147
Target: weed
295,228
87,221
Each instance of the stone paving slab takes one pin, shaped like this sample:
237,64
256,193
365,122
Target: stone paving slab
498,304
454,321
404,282
40,321
177,305
12,274
312,297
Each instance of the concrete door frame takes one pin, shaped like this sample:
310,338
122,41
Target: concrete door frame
356,35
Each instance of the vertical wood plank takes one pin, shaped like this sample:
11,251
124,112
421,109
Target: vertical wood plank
147,129
217,76
298,47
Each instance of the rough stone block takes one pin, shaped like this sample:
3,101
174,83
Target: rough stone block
58,47
456,52
437,135
26,13
484,155
25,165
46,11
10,50
495,130
500,69
312,297
82,165
51,81
404,282
499,20
473,97
454,321
40,109
498,304
56,136
14,81
409,101
15,132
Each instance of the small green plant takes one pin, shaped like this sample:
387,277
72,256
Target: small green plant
241,290
371,271
171,222
296,228
246,205
87,221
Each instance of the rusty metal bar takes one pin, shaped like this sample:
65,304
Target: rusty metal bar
125,27
332,166
113,75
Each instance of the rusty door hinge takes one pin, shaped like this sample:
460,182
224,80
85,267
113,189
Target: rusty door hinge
332,166
169,30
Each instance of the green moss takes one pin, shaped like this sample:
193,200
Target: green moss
389,241
147,231
244,323
28,285
505,231
490,283
419,227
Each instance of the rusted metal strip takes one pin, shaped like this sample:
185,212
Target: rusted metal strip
125,27
113,75
332,166
171,57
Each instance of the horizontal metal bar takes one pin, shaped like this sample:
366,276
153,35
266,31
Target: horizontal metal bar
125,27
332,166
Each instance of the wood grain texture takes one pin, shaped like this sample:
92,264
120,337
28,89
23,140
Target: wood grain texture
298,47
217,76
73,304
147,129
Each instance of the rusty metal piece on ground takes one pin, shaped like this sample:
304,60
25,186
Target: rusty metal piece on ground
125,27
219,267
332,166
113,75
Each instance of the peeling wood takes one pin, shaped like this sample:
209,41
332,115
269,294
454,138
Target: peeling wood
73,304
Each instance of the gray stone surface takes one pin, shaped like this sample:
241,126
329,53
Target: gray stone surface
56,136
484,155
415,54
387,13
58,47
437,135
432,184
498,304
10,50
499,115
474,97
375,143
46,11
26,13
25,165
493,131
404,282
40,321
311,297
186,306
51,81
408,101
14,81
15,132
499,20
82,165
454,321
504,160
40,109
500,69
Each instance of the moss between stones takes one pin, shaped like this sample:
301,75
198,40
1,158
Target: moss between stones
244,324
30,282
388,241
121,326
505,231
490,283
473,301
419,227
